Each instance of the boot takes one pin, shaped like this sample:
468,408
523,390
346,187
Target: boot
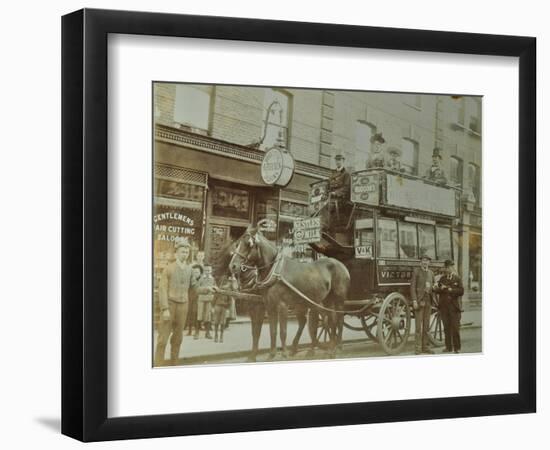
174,358
197,329
159,356
207,327
221,335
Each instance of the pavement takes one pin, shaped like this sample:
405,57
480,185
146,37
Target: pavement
238,338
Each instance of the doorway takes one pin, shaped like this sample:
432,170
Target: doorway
218,236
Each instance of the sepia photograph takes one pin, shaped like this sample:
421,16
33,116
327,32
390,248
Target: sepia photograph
294,224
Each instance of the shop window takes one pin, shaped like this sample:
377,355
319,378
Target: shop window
409,158
181,191
408,240
192,106
276,118
387,238
426,237
456,171
294,209
230,203
444,244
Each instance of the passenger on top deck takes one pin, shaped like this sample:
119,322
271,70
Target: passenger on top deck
394,159
376,158
435,173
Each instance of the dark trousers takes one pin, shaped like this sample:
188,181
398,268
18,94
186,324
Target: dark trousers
422,324
174,326
191,321
450,316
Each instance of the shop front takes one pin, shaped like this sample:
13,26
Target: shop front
218,187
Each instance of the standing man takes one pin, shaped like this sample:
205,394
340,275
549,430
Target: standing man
435,173
340,180
422,283
174,287
450,290
338,193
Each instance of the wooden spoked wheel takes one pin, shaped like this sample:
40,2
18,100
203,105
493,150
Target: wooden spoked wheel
370,323
394,323
436,333
353,323
323,332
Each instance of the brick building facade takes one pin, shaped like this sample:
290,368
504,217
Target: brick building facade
209,142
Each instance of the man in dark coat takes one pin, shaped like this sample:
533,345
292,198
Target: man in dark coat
422,283
436,173
339,194
450,290
339,181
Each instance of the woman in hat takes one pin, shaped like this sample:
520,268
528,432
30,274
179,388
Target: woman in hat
394,159
376,156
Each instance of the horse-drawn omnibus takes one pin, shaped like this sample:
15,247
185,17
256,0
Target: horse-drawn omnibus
390,220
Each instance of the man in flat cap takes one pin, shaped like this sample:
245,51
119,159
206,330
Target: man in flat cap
435,173
450,290
376,159
174,286
422,283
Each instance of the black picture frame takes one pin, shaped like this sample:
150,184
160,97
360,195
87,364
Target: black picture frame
84,224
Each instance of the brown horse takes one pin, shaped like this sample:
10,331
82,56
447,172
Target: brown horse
246,278
319,286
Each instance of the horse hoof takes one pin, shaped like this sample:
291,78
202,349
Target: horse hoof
251,359
293,352
310,353
271,356
284,355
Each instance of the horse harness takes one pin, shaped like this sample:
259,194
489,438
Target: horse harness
275,275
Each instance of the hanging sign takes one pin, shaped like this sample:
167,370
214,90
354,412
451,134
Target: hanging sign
307,231
277,167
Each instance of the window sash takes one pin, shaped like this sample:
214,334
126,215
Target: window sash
387,238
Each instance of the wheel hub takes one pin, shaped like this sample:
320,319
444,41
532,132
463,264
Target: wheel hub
397,323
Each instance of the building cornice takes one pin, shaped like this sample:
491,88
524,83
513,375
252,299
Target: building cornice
170,135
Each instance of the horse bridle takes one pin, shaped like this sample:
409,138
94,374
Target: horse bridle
246,267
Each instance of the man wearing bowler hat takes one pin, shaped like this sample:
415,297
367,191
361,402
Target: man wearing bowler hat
450,290
435,173
422,283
